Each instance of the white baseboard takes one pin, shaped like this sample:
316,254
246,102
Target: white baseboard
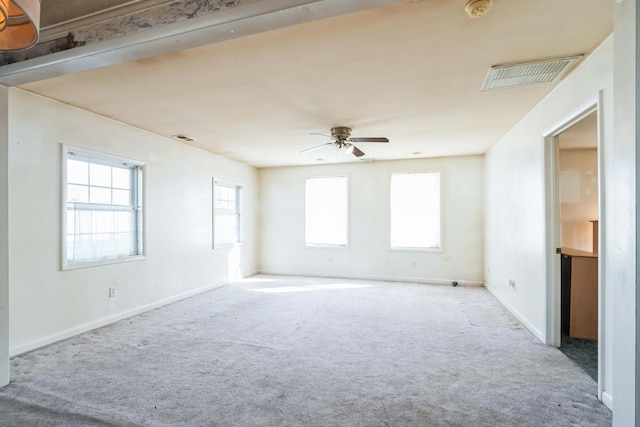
23,348
376,277
251,273
517,314
607,399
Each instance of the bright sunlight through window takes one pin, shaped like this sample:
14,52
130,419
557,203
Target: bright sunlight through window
326,211
227,208
415,210
102,207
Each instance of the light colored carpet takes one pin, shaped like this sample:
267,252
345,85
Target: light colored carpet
292,351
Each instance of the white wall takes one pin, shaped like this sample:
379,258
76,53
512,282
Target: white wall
578,197
48,304
623,203
4,236
515,201
282,248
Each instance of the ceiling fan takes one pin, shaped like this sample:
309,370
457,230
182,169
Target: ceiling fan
343,141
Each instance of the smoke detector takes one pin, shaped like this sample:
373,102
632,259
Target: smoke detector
477,8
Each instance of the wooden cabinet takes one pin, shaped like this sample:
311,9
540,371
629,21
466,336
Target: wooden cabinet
579,297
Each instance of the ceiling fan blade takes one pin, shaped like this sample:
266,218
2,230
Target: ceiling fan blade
322,134
376,139
316,147
356,152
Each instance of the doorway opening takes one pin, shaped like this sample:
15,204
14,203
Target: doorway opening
578,198
574,233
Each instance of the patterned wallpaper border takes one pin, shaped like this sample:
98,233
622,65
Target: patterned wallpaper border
156,16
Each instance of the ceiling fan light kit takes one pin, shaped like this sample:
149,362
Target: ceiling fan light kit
19,24
342,141
477,8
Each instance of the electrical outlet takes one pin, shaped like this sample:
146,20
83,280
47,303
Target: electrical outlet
112,292
512,283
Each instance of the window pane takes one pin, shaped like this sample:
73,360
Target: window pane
121,178
124,221
77,193
82,222
415,210
124,243
70,248
100,175
100,195
77,172
226,214
71,227
225,229
82,247
99,234
102,222
326,211
96,226
121,197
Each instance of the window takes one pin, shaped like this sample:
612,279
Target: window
326,211
103,208
227,209
415,210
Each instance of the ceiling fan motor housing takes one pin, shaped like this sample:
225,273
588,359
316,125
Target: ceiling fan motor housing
341,133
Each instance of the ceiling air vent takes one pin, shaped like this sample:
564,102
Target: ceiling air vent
183,137
528,73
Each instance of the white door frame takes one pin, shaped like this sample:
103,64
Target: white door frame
552,218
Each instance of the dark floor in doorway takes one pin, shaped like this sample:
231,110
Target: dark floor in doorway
584,353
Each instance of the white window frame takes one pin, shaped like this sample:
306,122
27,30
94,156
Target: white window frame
437,248
344,245
237,212
138,170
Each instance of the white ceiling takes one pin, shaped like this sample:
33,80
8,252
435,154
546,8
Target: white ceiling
410,71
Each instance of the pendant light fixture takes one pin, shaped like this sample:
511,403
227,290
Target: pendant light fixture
19,24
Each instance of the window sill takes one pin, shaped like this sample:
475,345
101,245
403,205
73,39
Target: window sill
324,246
227,246
401,249
109,261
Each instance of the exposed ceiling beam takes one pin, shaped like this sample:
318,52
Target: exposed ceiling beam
247,17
